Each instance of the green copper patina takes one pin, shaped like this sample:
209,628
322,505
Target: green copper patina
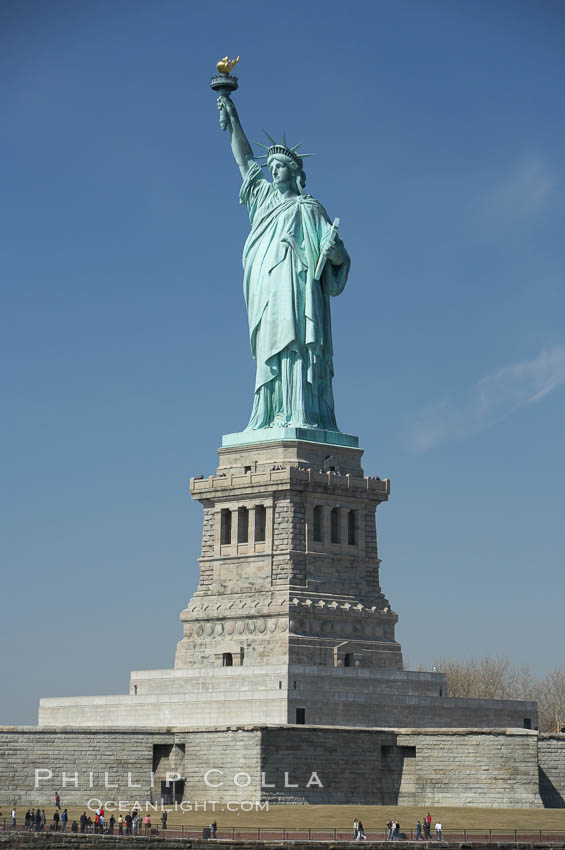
293,261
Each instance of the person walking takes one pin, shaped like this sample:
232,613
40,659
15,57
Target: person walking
57,800
361,832
14,815
147,823
439,829
120,825
418,831
112,822
64,819
164,819
213,828
389,830
56,818
355,829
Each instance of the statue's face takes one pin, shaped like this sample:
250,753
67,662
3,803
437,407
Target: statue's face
280,171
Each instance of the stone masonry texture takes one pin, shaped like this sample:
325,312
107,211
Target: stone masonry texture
282,764
551,758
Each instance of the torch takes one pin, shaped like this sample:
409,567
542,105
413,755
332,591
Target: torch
224,83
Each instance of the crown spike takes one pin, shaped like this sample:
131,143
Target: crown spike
284,138
261,145
270,138
295,148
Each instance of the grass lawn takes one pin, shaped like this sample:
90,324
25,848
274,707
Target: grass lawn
325,817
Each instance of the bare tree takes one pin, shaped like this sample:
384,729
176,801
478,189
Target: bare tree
551,701
495,678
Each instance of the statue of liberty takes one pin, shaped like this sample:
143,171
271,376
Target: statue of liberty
293,261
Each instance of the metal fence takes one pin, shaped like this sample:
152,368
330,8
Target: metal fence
287,833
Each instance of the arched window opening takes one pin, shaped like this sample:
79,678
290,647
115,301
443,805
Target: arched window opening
347,659
227,659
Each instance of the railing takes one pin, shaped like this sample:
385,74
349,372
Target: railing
288,833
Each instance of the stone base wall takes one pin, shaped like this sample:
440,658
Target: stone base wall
284,764
72,756
551,758
349,763
464,767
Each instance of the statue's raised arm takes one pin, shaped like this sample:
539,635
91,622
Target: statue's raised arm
240,146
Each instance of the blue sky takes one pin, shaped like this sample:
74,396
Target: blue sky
438,128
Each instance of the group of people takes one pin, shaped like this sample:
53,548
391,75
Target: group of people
131,824
34,820
427,829
358,830
423,831
392,830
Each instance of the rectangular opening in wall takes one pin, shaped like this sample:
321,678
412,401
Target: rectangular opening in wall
334,525
242,525
317,524
351,529
527,722
301,716
178,793
225,527
408,752
260,523
167,793
161,756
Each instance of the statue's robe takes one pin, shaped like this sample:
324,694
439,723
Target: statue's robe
289,311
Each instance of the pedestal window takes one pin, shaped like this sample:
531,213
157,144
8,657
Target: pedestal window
260,523
225,531
242,525
317,524
334,525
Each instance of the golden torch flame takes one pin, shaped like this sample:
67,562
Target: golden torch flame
226,66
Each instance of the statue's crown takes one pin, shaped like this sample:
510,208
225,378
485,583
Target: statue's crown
282,149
